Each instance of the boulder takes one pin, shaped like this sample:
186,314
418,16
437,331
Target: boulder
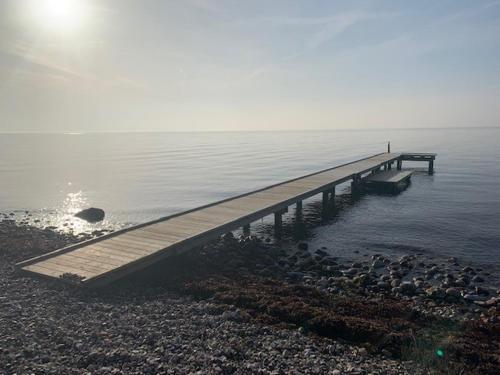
92,215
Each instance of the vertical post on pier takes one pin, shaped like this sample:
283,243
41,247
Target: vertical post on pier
332,198
325,203
299,230
399,164
389,147
356,184
246,230
278,224
298,211
431,166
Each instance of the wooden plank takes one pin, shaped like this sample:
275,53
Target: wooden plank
143,241
157,236
62,269
123,249
181,231
163,234
134,244
78,264
106,252
95,257
210,216
40,269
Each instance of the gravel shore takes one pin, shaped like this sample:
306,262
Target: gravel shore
242,306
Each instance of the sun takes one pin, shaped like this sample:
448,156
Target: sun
63,16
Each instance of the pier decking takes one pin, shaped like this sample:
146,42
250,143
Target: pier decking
110,257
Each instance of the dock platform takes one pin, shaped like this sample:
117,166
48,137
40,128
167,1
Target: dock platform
110,257
391,181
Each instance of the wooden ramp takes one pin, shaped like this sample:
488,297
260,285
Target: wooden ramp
110,257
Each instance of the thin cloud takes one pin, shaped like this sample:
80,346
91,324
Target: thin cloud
37,64
327,29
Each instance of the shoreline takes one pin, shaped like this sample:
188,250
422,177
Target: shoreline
292,292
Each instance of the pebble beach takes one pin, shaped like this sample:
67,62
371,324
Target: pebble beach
244,305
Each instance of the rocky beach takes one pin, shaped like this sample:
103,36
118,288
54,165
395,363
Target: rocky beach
247,305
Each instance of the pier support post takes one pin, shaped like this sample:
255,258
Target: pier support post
332,193
356,184
298,211
389,166
246,230
325,202
399,164
385,167
431,166
278,224
332,197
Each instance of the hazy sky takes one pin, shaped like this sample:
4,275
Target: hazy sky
125,65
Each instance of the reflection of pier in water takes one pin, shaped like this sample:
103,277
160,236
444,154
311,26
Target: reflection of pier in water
110,257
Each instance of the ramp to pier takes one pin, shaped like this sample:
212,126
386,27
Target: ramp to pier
110,257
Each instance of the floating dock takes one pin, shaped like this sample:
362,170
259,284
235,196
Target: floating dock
110,257
387,181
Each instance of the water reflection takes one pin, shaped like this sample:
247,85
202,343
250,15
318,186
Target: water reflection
62,218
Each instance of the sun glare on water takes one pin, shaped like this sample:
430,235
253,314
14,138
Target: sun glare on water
63,16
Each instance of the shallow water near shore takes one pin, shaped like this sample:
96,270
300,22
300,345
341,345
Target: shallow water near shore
143,176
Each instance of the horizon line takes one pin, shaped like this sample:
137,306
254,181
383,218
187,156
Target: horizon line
241,131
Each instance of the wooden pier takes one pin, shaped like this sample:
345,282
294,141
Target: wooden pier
104,259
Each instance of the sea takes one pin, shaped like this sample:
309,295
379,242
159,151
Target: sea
136,177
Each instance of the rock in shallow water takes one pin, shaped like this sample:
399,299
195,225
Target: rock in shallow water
92,214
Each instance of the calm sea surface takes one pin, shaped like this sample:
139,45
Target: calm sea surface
143,176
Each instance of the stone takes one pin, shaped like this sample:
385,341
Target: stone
435,293
383,285
477,279
377,263
492,302
418,283
321,253
407,287
452,292
395,283
482,291
295,275
91,215
432,271
472,297
350,272
303,246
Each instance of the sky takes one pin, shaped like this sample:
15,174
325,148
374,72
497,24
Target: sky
217,65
